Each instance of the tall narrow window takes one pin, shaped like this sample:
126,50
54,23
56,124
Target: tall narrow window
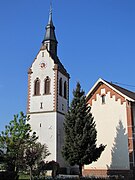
60,87
47,46
42,54
37,87
41,105
65,89
47,86
103,99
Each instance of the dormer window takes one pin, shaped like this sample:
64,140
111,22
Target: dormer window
103,99
37,87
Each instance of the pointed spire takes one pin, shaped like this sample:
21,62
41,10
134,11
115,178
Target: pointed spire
50,40
50,15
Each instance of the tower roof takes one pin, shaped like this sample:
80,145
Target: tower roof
50,42
50,29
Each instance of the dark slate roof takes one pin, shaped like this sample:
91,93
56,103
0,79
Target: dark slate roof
57,61
124,91
50,33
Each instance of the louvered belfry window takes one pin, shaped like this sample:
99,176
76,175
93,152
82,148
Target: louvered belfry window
60,87
37,87
47,85
65,89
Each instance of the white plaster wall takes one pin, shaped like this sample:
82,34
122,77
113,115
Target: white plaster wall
49,129
41,73
44,124
62,102
107,117
60,138
47,124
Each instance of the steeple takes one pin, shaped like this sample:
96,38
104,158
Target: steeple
50,40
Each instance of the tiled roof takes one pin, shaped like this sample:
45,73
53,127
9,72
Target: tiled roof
124,91
130,95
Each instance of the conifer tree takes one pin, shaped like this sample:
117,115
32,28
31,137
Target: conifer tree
80,132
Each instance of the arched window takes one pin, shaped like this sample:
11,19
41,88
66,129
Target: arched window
65,89
37,87
47,85
60,87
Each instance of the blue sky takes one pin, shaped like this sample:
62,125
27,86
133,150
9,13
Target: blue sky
96,38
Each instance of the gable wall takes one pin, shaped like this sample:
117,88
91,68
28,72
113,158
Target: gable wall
107,117
41,73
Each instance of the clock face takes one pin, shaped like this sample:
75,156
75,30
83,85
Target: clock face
43,65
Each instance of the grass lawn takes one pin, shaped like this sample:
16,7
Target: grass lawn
24,176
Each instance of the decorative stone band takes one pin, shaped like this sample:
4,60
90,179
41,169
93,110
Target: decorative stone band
55,90
29,89
130,125
107,89
42,112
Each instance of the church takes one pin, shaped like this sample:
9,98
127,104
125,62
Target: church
112,107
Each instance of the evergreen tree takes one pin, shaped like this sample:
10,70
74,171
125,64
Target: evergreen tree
80,133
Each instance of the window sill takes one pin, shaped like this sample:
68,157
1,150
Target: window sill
47,94
37,95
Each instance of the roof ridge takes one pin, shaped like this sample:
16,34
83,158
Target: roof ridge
123,90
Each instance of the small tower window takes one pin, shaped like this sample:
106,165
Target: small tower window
47,46
41,105
47,85
103,99
42,54
60,87
65,89
37,87
62,107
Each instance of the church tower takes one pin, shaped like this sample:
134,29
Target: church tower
48,94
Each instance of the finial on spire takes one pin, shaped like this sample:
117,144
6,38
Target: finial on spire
50,4
50,14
